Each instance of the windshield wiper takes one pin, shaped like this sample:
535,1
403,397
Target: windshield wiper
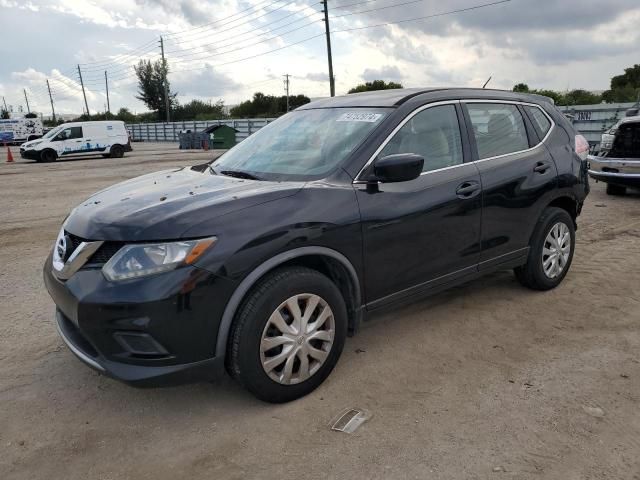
239,174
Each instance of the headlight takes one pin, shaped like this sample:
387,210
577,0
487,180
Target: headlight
133,261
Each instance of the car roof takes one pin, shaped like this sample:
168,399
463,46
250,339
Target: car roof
398,96
92,122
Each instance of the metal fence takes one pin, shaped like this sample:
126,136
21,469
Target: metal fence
168,132
592,120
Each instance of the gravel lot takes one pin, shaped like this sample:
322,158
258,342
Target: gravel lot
486,381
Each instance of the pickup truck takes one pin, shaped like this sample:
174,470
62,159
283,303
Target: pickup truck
618,162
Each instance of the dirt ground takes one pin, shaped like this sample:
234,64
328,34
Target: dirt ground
489,380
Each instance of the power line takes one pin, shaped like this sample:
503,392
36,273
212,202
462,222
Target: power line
339,7
451,12
250,31
248,22
254,7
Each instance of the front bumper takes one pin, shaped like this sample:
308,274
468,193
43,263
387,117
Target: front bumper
30,154
152,331
619,171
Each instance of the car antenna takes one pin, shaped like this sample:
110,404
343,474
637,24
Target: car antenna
485,83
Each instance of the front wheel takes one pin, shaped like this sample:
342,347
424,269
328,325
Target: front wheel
288,334
47,156
550,251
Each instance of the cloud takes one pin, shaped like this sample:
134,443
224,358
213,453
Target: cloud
387,73
317,76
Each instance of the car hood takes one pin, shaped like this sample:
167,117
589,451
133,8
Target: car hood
163,205
30,144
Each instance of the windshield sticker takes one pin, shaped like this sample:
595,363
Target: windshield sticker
359,117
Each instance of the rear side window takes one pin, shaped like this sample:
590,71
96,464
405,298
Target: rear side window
498,129
434,134
540,121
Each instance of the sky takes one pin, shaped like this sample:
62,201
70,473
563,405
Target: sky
229,49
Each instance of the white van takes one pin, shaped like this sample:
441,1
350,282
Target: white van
107,138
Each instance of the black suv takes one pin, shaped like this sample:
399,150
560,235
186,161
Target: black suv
264,260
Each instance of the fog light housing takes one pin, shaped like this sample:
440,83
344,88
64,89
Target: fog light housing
139,343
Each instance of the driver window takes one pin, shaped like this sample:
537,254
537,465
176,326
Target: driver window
69,133
434,134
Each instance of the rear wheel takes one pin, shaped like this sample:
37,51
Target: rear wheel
47,156
550,251
287,335
117,151
616,189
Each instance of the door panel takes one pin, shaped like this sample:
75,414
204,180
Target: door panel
516,186
426,231
415,232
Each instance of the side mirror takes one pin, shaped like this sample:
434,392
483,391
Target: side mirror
400,167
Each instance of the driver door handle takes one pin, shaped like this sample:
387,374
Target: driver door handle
542,167
468,189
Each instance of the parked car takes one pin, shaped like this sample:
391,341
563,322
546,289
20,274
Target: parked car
266,260
106,138
618,162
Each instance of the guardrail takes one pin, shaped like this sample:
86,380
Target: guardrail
168,132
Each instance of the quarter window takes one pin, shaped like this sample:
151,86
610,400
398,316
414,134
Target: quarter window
498,129
434,134
540,121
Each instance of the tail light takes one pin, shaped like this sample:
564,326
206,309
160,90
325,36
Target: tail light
581,147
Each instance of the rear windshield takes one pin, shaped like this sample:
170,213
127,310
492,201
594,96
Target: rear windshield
302,145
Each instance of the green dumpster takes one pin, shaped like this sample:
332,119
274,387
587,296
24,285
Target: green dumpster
221,137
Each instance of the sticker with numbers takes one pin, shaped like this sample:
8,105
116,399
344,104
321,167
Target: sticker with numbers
360,117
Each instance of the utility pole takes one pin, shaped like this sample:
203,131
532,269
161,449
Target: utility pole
286,88
5,104
26,100
106,84
332,84
53,111
166,84
83,92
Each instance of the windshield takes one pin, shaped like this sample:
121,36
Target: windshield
52,132
302,145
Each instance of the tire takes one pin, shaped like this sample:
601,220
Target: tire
616,189
273,375
117,151
553,222
47,156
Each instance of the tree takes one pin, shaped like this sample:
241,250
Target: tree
151,76
199,110
267,105
4,114
31,115
375,85
625,87
521,87
126,116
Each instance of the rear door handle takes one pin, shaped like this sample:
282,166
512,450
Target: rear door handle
542,167
468,189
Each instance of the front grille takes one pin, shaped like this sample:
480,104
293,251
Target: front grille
105,252
100,256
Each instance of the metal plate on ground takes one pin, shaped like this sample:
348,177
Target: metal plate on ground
349,420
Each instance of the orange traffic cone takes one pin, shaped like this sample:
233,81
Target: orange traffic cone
9,156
